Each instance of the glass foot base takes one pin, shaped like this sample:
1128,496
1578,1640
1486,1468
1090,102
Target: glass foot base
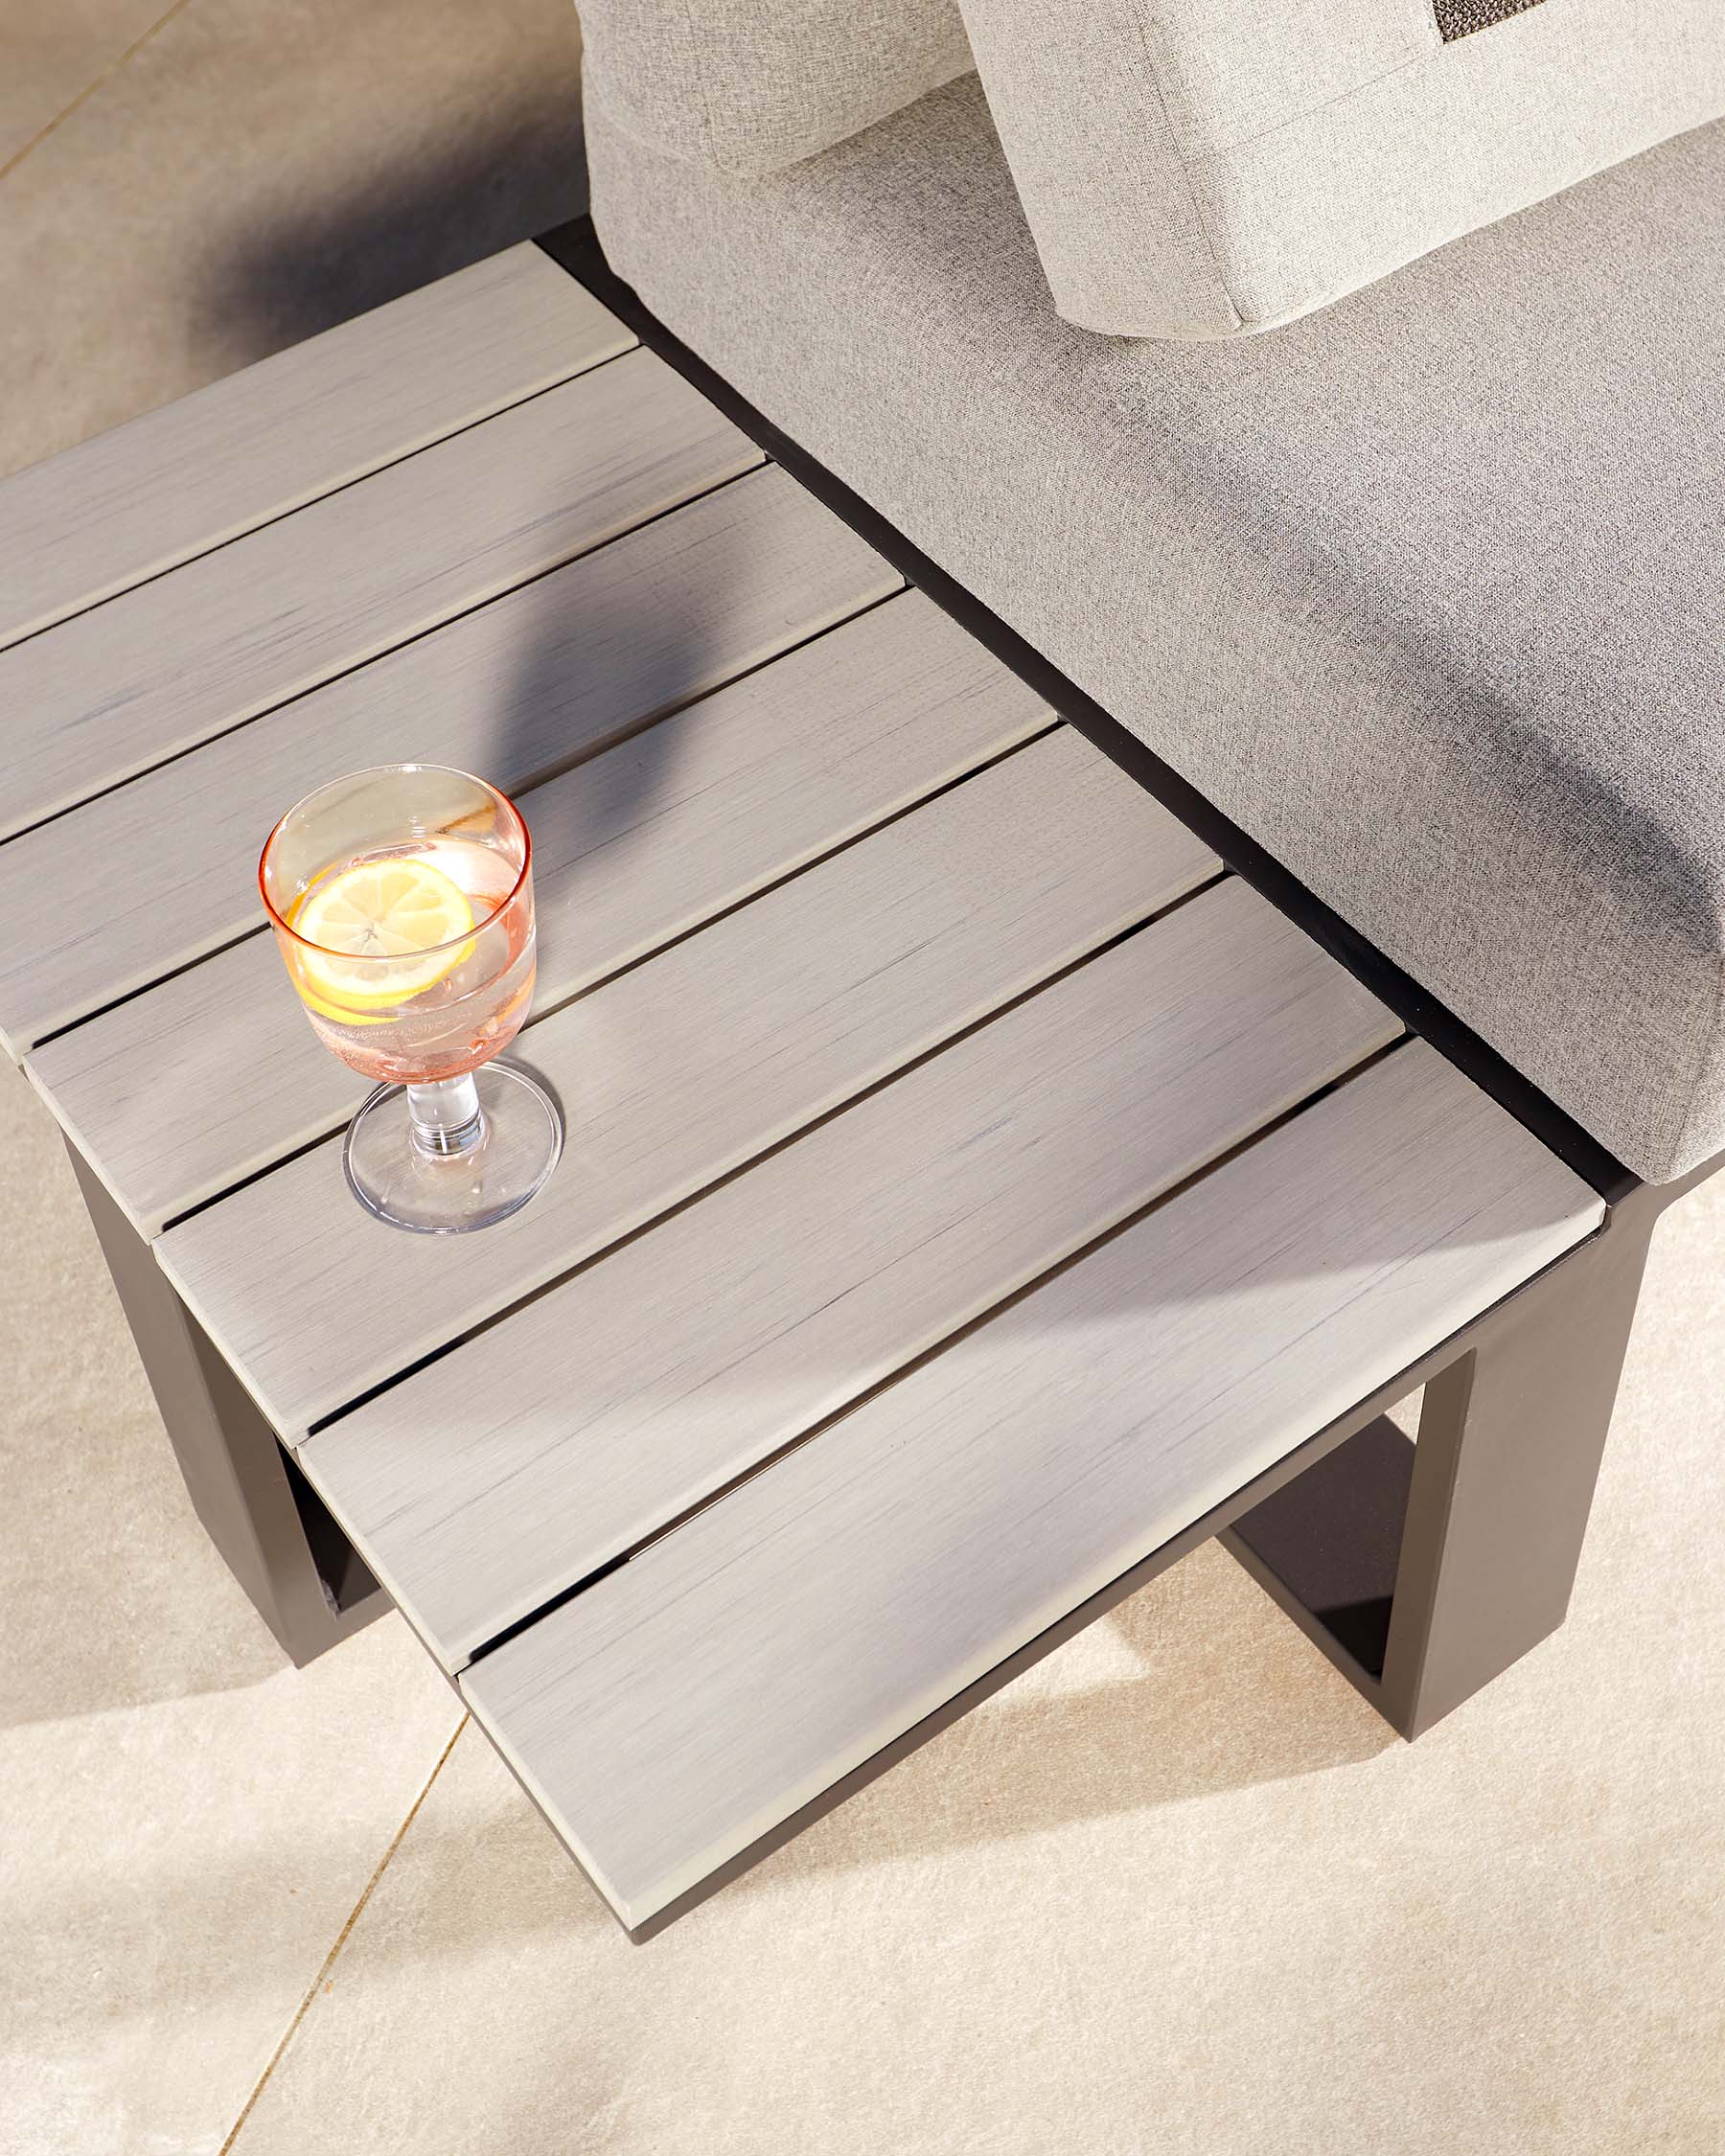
448,1194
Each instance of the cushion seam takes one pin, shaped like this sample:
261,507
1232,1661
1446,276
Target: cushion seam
1325,105
1184,169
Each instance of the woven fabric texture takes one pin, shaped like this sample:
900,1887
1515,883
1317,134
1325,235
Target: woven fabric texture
749,86
1461,18
1202,168
1423,592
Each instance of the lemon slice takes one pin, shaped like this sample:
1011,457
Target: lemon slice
385,931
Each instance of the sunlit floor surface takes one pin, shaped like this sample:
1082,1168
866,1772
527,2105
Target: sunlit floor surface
1175,1892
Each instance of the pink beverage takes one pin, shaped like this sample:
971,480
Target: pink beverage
401,901
439,1014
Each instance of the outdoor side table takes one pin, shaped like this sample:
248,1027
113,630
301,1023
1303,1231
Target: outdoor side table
975,1196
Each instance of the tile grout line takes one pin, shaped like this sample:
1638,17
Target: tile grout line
341,1938
90,89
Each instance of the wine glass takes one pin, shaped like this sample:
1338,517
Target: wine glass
401,901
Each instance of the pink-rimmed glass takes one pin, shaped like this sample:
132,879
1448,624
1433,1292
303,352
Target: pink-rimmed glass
450,1140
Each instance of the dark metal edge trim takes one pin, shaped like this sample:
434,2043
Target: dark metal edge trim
576,249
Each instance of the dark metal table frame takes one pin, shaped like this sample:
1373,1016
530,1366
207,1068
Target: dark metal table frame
1421,1571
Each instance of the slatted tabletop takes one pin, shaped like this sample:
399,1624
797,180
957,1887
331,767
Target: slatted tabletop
968,1184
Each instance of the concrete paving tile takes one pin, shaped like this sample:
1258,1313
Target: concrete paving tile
188,1822
53,54
254,175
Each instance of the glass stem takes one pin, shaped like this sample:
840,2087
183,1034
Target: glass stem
446,1115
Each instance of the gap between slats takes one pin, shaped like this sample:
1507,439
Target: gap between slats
339,487
522,792
928,1355
373,658
977,1504
858,968
561,1003
493,1482
745,572
821,745
661,950
770,1151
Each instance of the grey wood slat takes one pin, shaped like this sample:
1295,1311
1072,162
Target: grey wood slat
687,1702
544,675
177,660
176,482
686,1068
489,1483
631,850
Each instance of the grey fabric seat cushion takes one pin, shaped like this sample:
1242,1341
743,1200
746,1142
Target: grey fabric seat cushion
1423,591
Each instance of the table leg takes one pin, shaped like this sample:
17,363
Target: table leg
308,1584
1510,1440
1425,1570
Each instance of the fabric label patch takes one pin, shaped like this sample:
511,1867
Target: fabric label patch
1461,18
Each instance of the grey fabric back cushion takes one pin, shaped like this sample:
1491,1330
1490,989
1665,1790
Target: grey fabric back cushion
749,86
1424,591
1211,168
